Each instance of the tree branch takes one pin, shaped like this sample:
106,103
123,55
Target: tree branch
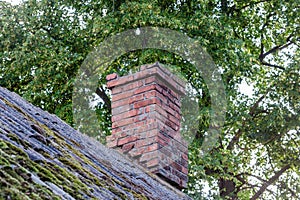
284,186
271,65
255,176
263,188
276,48
237,136
101,93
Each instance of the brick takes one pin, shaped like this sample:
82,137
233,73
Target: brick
116,90
185,156
111,137
115,130
126,140
176,166
146,120
166,152
112,144
137,152
111,77
136,98
183,184
146,102
152,147
120,81
162,142
153,162
175,107
150,108
125,115
134,85
127,147
164,116
146,141
152,133
145,88
141,75
184,170
123,122
120,109
117,104
151,79
148,156
120,96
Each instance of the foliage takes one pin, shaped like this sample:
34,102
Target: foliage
43,43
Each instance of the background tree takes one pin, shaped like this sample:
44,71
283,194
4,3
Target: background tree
43,44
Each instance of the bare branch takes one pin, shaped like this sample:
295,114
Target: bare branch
274,178
263,54
276,48
271,65
101,93
255,176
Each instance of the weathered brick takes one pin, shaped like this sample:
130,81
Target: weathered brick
117,104
136,98
123,122
111,77
148,156
184,170
127,147
153,162
185,156
120,81
121,109
152,147
112,143
176,166
145,89
128,114
127,139
146,102
146,141
151,79
146,119
120,96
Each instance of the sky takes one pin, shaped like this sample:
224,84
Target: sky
14,2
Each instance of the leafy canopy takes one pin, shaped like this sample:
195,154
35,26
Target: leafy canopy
43,44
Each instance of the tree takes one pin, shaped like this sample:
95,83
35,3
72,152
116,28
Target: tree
43,43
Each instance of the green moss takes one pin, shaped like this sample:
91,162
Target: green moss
17,108
13,150
69,181
15,181
136,195
13,193
13,137
117,192
3,145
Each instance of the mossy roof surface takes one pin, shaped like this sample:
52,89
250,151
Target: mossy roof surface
41,157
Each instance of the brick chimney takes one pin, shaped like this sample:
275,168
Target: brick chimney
146,121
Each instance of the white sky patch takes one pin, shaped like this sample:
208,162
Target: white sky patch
246,89
14,2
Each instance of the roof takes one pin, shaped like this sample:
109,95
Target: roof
41,157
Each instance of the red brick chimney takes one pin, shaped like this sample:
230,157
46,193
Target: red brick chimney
146,121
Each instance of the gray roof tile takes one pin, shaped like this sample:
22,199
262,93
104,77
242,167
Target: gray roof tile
41,157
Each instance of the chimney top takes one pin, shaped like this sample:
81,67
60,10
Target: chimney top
146,121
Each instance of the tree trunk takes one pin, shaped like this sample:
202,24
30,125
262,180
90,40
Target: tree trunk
227,188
